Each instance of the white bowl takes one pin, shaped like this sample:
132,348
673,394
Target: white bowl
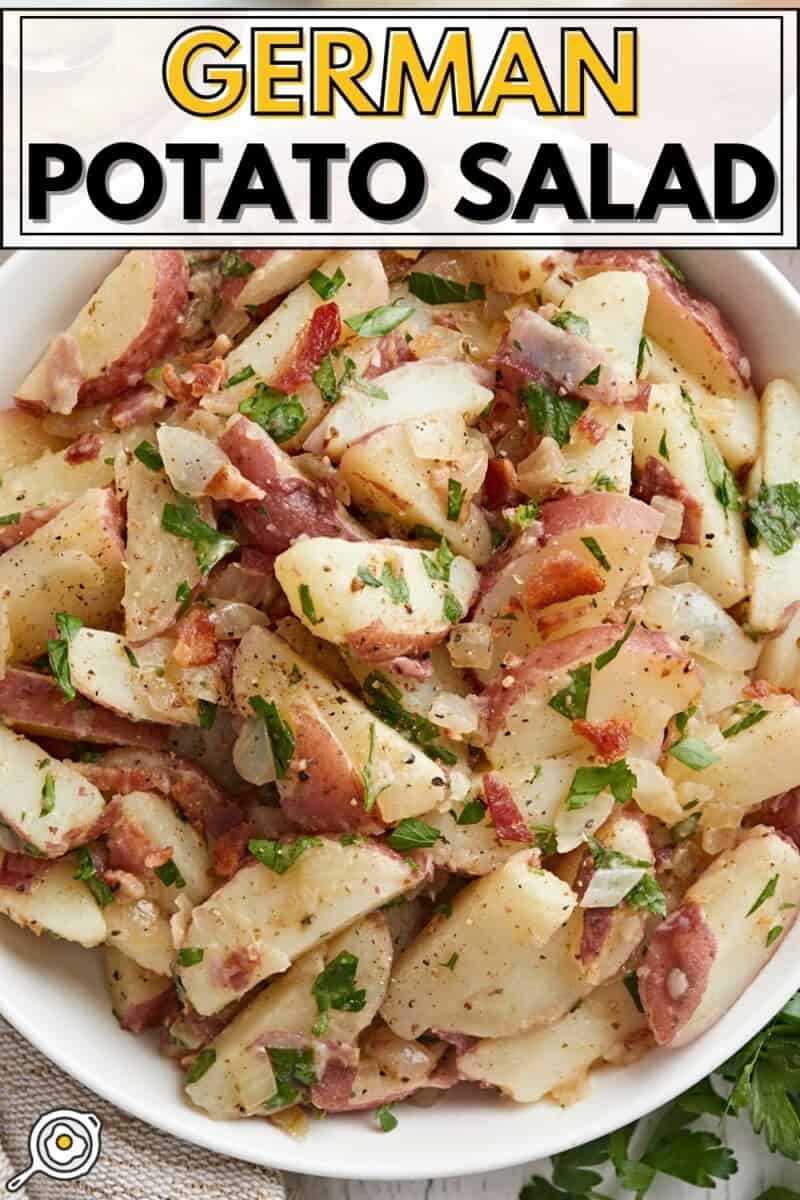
54,993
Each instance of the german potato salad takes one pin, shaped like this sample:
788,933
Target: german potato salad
398,662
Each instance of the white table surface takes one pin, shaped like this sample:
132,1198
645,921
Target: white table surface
757,1167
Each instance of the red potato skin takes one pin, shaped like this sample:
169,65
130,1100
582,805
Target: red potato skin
657,480
35,704
86,448
292,504
682,942
149,1014
781,813
659,279
334,1098
321,792
169,300
501,486
376,643
570,651
137,406
315,340
596,508
507,819
19,872
230,288
29,522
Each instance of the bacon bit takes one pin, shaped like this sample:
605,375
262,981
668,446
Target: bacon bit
500,487
758,689
506,816
19,872
64,374
137,406
206,377
196,645
229,849
610,738
87,447
29,522
658,480
175,384
592,429
562,577
127,888
238,968
412,668
129,847
229,484
392,350
319,336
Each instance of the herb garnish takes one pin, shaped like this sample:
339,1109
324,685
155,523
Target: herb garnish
281,738
280,856
335,987
182,519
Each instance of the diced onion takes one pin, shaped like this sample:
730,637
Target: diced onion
441,437
667,565
255,1081
608,887
673,512
252,753
458,715
230,321
654,792
573,824
470,645
190,460
714,841
542,469
232,619
693,617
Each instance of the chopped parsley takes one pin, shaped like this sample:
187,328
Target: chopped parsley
764,895
693,753
281,738
450,965
647,894
550,414
773,935
413,834
87,873
170,875
720,476
593,378
367,781
588,782
325,379
525,514
293,1071
149,456
200,1065
58,652
241,376
307,604
603,483
472,813
455,499
395,585
644,348
131,657
384,699
437,566
326,286
596,551
756,714
335,987
435,289
572,700
386,1119
280,856
383,319
663,448
280,415
545,839
611,653
206,714
571,322
183,594
48,795
182,519
11,519
233,266
673,268
366,576
684,829
774,515
190,956
451,608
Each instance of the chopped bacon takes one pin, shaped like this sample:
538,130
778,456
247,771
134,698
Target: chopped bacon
137,406
87,447
318,337
35,704
593,430
657,480
390,351
507,819
127,888
501,486
196,645
28,523
561,577
293,504
64,374
610,738
19,872
231,286
178,387
129,847
535,350
197,381
412,668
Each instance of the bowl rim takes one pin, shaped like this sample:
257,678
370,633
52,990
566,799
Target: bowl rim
705,1056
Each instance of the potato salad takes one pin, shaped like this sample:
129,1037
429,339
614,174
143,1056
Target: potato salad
399,667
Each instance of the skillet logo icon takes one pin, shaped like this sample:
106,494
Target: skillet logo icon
63,1144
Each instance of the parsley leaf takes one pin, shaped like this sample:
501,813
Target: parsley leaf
413,834
663,448
472,813
395,585
48,795
307,604
58,652
437,566
572,700
593,378
451,609
279,414
455,499
436,289
233,266
325,379
603,483
572,323
720,476
190,956
335,988
764,895
383,319
11,518
647,894
693,753
182,519
756,714
386,1118
550,414
293,1070
644,348
183,593
525,514
775,516
281,738
280,856
611,653
170,875
326,286
588,782
240,376
149,456
85,872
596,550
367,782
384,699
200,1065
673,268
206,714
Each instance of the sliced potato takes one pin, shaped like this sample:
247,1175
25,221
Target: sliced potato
531,1065
139,999
46,803
72,564
376,598
59,904
141,931
259,922
779,661
415,390
515,272
614,303
23,439
694,619
282,271
152,817
157,561
773,577
478,971
670,432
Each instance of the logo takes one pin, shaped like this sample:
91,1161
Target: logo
63,1144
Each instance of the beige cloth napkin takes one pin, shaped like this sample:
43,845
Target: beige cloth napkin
136,1163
